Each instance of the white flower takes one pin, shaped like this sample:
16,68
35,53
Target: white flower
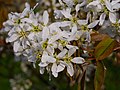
69,3
45,31
108,8
18,36
78,6
65,61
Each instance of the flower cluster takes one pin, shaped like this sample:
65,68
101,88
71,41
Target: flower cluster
56,44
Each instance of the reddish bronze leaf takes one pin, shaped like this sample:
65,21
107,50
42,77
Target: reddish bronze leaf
99,75
98,36
104,48
3,15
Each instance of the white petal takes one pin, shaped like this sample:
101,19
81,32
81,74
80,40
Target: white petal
66,13
34,65
60,47
94,3
16,46
54,67
54,38
12,38
102,18
62,53
60,67
50,50
78,60
69,3
31,36
26,20
11,32
74,28
8,22
118,21
88,37
45,33
108,5
48,59
43,64
115,2
93,24
116,6
70,69
42,69
71,46
61,3
54,70
82,22
26,10
112,17
63,24
78,6
71,51
45,17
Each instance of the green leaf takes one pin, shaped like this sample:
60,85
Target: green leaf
99,75
104,48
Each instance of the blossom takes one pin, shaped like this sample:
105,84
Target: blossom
108,8
18,36
57,42
67,62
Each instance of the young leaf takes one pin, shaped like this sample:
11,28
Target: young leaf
99,75
98,36
104,48
3,15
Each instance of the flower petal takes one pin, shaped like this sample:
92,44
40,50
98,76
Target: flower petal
60,67
108,5
66,13
62,53
70,69
102,18
93,24
48,59
112,17
45,17
116,6
94,3
78,60
78,6
74,28
26,10
12,38
71,51
82,22
54,70
16,46
63,24
45,33
42,69
43,64
54,38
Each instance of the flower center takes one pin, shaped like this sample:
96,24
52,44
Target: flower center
18,21
36,29
67,59
38,54
63,42
44,45
23,34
